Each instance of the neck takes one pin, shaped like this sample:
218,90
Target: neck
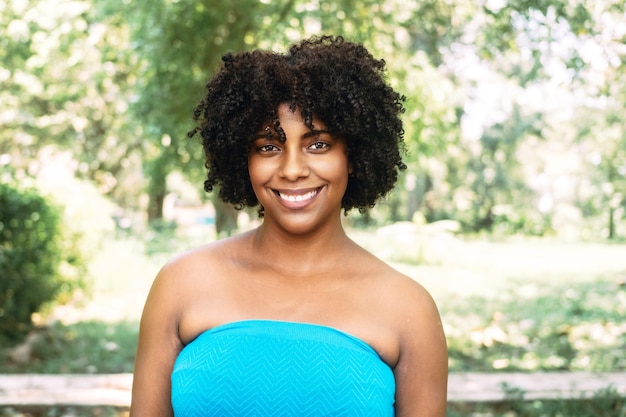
300,254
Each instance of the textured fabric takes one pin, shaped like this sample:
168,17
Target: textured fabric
274,368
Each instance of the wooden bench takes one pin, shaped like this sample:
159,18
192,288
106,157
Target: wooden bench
37,390
114,390
495,387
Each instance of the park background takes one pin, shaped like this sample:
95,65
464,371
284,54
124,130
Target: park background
512,211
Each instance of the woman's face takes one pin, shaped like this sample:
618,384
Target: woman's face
300,182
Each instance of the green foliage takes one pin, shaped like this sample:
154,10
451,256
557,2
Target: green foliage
66,81
178,45
84,348
574,327
605,403
32,255
115,82
491,192
65,412
602,135
517,24
539,46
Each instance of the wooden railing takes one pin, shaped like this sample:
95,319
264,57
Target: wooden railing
114,390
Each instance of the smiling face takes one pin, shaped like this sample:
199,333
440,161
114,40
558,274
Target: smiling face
299,182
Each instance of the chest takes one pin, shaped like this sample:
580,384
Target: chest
349,304
280,368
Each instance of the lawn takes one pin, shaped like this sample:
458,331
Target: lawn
519,303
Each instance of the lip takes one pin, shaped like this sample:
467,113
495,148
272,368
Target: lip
297,198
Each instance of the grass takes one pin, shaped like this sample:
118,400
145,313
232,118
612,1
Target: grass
515,304
64,412
85,347
606,403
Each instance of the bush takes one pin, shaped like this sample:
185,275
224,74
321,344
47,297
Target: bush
33,250
85,347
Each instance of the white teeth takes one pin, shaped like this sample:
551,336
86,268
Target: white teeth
297,198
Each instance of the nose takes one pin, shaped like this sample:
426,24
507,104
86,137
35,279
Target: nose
294,164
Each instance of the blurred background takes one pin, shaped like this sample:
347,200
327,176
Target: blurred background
512,211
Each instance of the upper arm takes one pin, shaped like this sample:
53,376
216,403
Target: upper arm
422,370
157,349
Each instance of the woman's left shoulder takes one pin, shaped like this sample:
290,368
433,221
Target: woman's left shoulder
410,308
422,366
398,299
399,287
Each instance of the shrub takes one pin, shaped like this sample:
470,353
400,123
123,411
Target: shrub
33,251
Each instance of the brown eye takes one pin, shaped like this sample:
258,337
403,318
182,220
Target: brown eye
318,146
267,148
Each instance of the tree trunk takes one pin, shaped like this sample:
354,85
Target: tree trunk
611,223
155,207
157,172
225,218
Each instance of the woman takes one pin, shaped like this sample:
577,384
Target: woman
293,318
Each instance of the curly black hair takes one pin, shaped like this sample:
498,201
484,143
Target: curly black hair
338,81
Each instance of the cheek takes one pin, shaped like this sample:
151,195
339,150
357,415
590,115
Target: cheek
341,166
259,171
336,171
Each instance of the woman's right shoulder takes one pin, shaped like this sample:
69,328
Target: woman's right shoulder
207,262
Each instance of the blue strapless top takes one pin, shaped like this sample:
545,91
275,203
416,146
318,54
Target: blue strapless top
273,368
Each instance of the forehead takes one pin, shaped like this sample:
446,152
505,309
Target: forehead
287,115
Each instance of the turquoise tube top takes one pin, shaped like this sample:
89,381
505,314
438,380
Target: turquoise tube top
275,368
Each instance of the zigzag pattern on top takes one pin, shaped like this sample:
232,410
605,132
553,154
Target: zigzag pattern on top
280,369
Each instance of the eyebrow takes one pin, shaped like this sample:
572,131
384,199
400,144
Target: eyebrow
264,135
309,134
314,132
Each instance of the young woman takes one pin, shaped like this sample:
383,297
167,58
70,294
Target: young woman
293,318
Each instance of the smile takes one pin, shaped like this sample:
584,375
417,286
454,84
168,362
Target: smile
297,198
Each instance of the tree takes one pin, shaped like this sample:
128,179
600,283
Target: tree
151,59
539,45
65,84
179,45
601,139
500,192
600,72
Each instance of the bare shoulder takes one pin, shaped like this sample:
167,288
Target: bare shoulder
191,276
403,304
412,300
160,337
204,262
422,363
402,295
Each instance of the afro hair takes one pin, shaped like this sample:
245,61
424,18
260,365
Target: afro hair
338,81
